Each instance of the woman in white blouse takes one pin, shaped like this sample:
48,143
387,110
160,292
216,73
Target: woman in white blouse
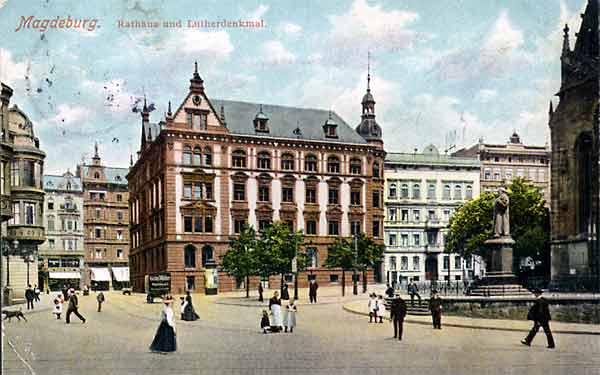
165,340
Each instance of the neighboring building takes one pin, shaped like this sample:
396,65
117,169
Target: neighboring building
500,163
106,224
22,198
62,254
214,166
575,150
422,192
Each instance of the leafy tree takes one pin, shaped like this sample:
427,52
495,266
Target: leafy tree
472,224
241,260
341,254
369,254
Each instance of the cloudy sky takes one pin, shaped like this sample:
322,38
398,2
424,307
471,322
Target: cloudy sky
443,72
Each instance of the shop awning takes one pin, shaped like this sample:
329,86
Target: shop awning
121,273
100,274
64,275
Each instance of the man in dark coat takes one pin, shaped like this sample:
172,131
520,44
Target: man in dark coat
435,306
397,315
100,299
285,295
29,296
390,292
413,291
540,314
312,291
260,292
73,307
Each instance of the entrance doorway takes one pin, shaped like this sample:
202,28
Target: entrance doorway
431,268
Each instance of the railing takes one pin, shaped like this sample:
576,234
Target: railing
454,288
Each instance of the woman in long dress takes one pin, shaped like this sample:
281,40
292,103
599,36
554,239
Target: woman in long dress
275,307
188,312
164,340
290,319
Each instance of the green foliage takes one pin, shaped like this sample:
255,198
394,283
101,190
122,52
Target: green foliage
277,247
241,260
369,253
472,223
340,254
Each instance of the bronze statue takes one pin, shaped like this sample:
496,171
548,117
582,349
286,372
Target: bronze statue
501,214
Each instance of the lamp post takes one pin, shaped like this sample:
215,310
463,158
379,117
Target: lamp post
28,258
354,274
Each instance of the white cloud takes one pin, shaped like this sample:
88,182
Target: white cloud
503,37
2,3
10,70
275,53
486,95
259,12
71,115
213,44
290,28
548,48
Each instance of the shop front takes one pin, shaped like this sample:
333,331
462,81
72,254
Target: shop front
100,278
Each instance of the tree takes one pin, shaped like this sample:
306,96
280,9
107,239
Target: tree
241,260
472,224
369,254
341,254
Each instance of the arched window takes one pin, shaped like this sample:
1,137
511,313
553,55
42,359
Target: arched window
393,263
197,155
190,256
469,192
287,162
416,191
431,191
457,192
207,255
446,192
333,164
310,163
355,166
404,191
313,257
207,156
238,159
264,160
376,170
393,191
187,155
96,175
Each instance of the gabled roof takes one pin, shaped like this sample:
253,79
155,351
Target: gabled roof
56,183
113,175
283,122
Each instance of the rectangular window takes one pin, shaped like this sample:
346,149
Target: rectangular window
189,120
190,283
208,191
457,263
431,215
404,240
333,278
119,198
404,215
404,263
119,215
14,173
69,225
333,195
417,215
287,194
376,199
311,195
355,227
334,228
28,173
1,178
98,233
208,224
238,226
355,197
392,214
120,253
101,196
239,191
187,191
262,224
198,224
197,190
119,234
311,227
29,213
196,122
263,193
446,262
392,240
187,224
416,265
98,254
417,239
376,230
51,243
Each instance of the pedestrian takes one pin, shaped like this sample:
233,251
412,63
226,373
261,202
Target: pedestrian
290,321
165,339
264,322
372,307
188,312
86,290
260,292
435,306
73,307
312,291
390,291
182,306
380,309
413,291
36,292
65,293
100,298
57,308
29,296
285,295
397,315
275,307
540,314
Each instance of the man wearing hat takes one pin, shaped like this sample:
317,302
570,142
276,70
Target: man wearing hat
397,315
435,306
73,307
540,314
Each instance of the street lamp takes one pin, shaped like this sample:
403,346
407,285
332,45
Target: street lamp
7,252
28,258
354,274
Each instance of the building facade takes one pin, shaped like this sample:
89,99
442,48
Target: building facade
62,255
22,198
422,191
501,163
106,224
575,149
213,166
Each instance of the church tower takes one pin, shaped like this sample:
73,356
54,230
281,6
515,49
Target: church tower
368,127
574,135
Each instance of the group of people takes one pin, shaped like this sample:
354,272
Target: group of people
165,340
285,321
31,295
70,296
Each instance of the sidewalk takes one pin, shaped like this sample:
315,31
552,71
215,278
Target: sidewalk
44,304
360,308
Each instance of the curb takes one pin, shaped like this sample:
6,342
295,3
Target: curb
349,310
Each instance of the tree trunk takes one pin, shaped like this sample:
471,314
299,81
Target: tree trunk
281,285
343,282
364,276
247,286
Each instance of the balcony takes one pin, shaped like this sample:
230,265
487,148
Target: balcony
26,233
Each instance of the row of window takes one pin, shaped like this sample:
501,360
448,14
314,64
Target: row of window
100,233
311,227
197,156
64,263
537,175
405,215
66,225
431,192
24,213
99,196
103,253
518,159
68,205
416,263
68,244
26,173
417,239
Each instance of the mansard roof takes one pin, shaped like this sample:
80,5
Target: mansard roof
58,183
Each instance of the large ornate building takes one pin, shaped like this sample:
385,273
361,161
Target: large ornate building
213,166
21,198
423,190
106,224
62,255
575,147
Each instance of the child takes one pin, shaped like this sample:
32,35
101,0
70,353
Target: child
265,325
57,308
380,309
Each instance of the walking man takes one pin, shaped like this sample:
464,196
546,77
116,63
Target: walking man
413,291
540,314
312,291
435,306
397,315
73,307
260,292
100,298
29,296
36,293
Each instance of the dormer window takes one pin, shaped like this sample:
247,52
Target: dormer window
330,127
261,121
